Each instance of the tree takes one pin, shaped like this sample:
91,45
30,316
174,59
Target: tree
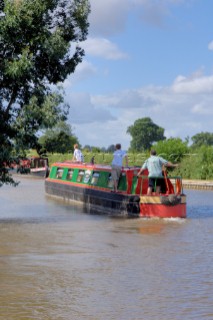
198,165
46,116
144,133
87,148
172,149
36,55
202,139
95,149
111,148
61,143
59,139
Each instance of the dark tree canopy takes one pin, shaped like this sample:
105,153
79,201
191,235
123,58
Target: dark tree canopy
59,139
39,48
202,139
144,133
111,148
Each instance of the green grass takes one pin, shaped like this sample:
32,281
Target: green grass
100,158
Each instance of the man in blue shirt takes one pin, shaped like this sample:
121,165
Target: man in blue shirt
117,163
155,164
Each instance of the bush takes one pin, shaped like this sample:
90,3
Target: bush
195,165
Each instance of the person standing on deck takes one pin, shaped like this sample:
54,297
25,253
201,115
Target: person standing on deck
117,163
77,155
155,164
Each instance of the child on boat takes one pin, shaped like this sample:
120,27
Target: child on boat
77,155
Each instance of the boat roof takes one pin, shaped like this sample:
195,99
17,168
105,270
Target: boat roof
73,164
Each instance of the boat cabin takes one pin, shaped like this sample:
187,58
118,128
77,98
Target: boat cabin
99,177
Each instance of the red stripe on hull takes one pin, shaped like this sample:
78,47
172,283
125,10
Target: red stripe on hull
163,211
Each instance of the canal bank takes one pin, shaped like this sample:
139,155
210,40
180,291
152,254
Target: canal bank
187,183
198,184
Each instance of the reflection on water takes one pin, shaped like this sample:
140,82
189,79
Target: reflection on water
56,262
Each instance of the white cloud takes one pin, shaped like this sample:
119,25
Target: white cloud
193,85
83,111
84,70
102,117
127,99
102,120
154,13
103,135
108,17
101,47
210,45
194,126
202,109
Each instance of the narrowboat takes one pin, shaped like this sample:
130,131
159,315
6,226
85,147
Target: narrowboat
39,167
91,184
33,167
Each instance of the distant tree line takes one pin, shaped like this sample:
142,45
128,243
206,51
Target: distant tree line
196,160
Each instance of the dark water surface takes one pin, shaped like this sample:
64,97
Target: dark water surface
56,262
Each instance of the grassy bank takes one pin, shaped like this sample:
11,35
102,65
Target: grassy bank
197,165
103,158
192,166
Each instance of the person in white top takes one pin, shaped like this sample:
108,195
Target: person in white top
117,163
77,155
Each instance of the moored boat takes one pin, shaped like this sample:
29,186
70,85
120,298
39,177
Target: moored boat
32,167
39,167
91,184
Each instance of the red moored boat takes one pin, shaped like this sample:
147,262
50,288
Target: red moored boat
32,167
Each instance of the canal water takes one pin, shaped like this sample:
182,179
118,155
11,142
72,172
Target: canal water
59,263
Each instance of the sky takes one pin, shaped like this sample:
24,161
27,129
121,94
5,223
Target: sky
143,58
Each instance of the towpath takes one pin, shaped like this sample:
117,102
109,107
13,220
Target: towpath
198,184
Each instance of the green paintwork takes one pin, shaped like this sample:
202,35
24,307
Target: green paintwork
122,185
102,180
53,172
134,184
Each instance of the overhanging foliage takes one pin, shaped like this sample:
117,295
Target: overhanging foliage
39,48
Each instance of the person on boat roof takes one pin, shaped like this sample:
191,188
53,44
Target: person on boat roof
77,155
155,164
117,163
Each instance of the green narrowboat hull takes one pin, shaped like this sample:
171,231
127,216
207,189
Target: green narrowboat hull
92,186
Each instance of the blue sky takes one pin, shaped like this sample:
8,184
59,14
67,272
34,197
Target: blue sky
143,58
